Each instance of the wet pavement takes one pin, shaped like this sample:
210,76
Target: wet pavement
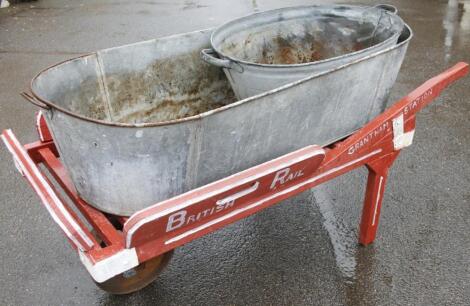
300,252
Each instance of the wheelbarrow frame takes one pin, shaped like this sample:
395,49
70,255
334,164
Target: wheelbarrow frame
128,242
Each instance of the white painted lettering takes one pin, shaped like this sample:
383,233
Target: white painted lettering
283,176
280,176
176,220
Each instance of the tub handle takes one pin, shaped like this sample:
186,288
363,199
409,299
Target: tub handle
383,9
209,56
387,7
33,100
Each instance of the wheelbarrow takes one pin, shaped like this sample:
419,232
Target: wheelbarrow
124,254
159,113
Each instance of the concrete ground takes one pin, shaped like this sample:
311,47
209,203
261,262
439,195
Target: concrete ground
300,252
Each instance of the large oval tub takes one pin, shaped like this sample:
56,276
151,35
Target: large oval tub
140,123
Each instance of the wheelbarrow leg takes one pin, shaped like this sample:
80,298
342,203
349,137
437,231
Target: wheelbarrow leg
378,173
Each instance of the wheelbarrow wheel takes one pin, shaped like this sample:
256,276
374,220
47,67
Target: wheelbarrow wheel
136,278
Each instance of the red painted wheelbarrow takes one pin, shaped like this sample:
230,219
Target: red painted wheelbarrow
125,254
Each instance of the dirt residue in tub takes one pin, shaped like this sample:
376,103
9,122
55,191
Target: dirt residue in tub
297,42
168,89
307,49
86,99
171,110
287,51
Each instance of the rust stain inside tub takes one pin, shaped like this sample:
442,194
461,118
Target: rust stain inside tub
289,43
288,52
168,89
300,50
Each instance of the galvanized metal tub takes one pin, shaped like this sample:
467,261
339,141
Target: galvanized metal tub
116,116
266,50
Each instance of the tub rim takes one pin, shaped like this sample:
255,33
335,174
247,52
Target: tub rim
299,7
54,106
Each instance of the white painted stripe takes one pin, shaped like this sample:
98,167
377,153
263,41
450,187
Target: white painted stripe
290,189
57,202
377,200
238,195
17,166
110,266
238,211
398,125
38,125
12,152
400,138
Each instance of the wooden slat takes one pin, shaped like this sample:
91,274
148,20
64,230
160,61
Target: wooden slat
96,218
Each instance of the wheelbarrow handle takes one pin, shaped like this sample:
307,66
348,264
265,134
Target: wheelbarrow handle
33,100
78,234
